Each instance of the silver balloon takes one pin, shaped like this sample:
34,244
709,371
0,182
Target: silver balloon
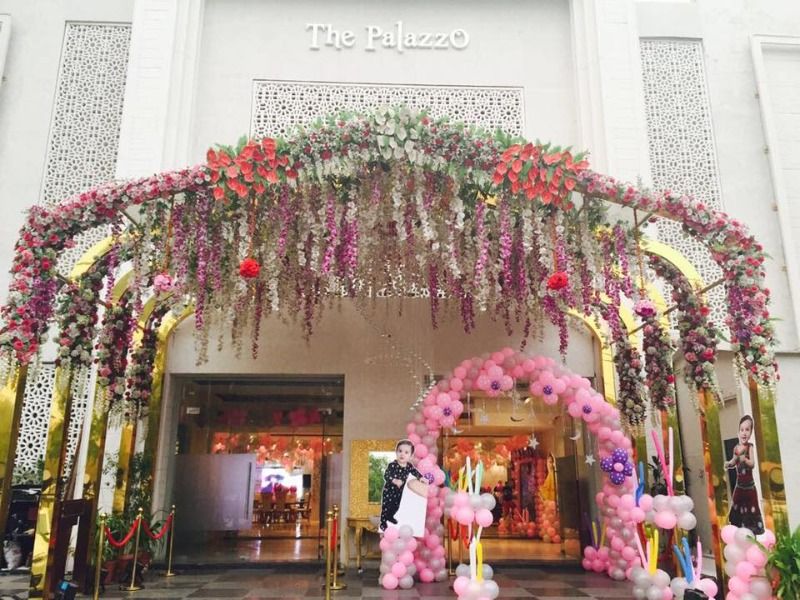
384,568
411,569
406,582
489,501
462,570
491,588
389,557
406,532
441,575
487,572
475,502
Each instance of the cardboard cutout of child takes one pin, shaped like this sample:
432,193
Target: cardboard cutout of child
745,507
405,492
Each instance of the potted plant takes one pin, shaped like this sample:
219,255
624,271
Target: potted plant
783,565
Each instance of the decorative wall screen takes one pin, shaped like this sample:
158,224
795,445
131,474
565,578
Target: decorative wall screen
81,153
35,419
682,150
87,110
278,106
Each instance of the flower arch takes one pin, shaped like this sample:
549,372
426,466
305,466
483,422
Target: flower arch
493,374
488,222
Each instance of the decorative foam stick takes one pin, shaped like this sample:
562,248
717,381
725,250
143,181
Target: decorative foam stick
671,459
603,535
641,484
699,566
642,555
662,461
594,535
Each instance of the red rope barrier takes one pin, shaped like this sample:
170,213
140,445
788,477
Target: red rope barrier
334,532
160,534
122,543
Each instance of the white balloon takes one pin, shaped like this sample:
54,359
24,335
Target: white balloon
639,593
733,553
462,570
475,502
654,593
406,582
743,537
687,521
489,501
760,588
661,578
384,568
441,575
389,557
488,572
679,586
492,589
406,532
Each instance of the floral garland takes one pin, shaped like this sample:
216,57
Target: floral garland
77,310
327,210
658,351
112,348
698,335
140,369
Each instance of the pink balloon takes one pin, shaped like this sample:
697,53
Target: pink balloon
407,557
384,545
456,385
727,533
628,553
590,552
460,585
637,514
420,450
389,582
484,517
745,570
575,410
432,541
426,575
398,569
465,515
709,587
506,383
646,503
391,534
666,594
737,586
460,373
666,519
756,557
443,400
768,538
586,564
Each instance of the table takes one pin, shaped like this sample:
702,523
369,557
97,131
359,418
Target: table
359,525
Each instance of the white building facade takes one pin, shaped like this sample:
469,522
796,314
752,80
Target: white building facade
699,97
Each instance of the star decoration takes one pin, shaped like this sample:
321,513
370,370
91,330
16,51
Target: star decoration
533,442
590,459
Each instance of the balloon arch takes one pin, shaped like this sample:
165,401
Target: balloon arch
391,203
495,374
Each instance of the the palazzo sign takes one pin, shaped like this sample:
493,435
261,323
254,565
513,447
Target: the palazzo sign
374,37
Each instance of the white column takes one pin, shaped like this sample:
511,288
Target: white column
609,84
159,92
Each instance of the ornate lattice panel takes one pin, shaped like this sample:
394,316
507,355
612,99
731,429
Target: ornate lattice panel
278,106
87,110
35,418
681,140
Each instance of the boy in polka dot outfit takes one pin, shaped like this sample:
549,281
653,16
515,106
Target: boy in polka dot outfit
394,479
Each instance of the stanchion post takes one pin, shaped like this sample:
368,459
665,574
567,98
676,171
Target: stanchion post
460,546
338,541
336,584
329,539
170,572
133,587
98,558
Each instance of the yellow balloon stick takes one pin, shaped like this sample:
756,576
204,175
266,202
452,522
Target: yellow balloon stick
595,539
479,560
603,535
654,553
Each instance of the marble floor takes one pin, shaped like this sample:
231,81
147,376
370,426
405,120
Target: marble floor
294,581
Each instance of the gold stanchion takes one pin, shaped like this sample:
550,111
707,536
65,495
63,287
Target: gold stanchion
170,572
133,587
460,546
336,584
328,544
338,541
98,559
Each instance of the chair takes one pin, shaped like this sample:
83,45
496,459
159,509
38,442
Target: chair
267,501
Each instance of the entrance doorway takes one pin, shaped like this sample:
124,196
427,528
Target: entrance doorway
256,459
532,456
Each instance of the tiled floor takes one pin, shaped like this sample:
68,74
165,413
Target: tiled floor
290,582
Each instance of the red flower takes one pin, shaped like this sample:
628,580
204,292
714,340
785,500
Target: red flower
557,281
249,268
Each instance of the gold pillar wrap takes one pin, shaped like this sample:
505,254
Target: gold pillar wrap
714,463
126,449
669,418
11,395
770,467
52,488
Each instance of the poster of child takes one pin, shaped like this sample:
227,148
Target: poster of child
745,506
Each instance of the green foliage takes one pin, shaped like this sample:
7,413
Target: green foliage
784,560
377,466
